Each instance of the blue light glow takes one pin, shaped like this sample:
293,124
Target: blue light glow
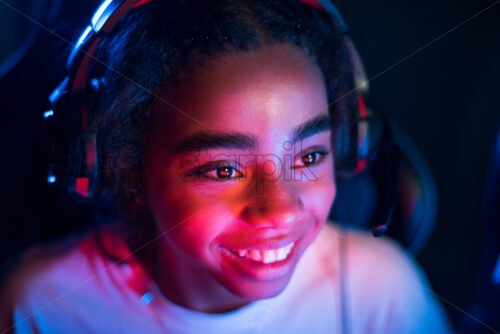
496,273
84,36
48,113
98,13
147,298
95,83
51,179
61,89
498,144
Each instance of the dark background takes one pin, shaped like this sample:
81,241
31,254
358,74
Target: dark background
444,96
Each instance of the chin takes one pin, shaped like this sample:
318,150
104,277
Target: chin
253,291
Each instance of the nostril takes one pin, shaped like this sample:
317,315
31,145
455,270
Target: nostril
300,204
255,217
273,213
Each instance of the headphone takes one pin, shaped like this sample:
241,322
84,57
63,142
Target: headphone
369,136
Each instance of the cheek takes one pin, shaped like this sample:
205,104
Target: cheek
319,194
189,221
194,236
319,200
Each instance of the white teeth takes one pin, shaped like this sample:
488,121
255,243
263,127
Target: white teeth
288,248
281,254
255,255
268,256
265,256
242,252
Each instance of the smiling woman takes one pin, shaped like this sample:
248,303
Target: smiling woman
216,125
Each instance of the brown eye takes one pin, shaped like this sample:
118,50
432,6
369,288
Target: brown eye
225,172
311,158
219,171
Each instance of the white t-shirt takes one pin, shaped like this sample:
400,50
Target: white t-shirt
77,288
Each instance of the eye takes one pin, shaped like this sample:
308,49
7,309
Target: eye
218,171
310,158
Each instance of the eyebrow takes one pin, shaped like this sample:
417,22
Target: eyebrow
311,127
211,140
204,140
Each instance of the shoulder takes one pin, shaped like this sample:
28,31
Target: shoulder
47,273
368,252
388,292
91,283
382,258
53,263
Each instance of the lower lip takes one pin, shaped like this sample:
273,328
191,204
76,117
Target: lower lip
260,270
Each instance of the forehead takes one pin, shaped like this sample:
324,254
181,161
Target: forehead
261,92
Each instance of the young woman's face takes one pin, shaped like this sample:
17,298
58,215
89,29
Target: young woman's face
239,171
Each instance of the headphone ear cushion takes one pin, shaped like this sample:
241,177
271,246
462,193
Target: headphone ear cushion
356,200
342,143
345,149
358,134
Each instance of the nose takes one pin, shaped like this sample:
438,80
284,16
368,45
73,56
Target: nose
276,205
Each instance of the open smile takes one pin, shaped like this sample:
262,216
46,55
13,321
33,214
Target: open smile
262,264
265,256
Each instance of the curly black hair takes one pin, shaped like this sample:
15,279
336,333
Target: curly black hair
164,41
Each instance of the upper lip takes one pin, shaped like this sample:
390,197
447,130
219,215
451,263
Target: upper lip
264,243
